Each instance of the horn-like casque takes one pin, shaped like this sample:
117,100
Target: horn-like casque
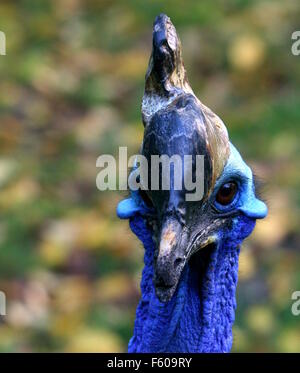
166,81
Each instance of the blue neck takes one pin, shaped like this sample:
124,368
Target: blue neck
200,315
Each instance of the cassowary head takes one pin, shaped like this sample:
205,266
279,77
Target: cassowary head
177,123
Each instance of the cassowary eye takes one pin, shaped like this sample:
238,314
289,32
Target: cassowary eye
226,193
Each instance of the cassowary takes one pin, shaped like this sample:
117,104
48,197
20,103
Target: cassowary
191,248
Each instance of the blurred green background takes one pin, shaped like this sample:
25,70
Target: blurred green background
70,90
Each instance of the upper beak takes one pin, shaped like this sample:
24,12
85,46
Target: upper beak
171,258
174,250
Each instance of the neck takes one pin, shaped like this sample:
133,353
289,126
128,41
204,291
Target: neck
200,315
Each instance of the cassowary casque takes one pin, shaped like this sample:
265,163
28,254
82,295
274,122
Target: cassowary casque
191,248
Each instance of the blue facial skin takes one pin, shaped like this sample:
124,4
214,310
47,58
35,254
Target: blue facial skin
129,207
245,200
197,318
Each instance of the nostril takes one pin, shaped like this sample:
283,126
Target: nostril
178,262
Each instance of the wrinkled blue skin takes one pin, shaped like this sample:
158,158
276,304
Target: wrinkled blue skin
190,322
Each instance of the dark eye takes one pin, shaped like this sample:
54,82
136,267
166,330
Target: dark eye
226,193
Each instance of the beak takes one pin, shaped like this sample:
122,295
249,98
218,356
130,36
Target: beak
170,260
174,250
